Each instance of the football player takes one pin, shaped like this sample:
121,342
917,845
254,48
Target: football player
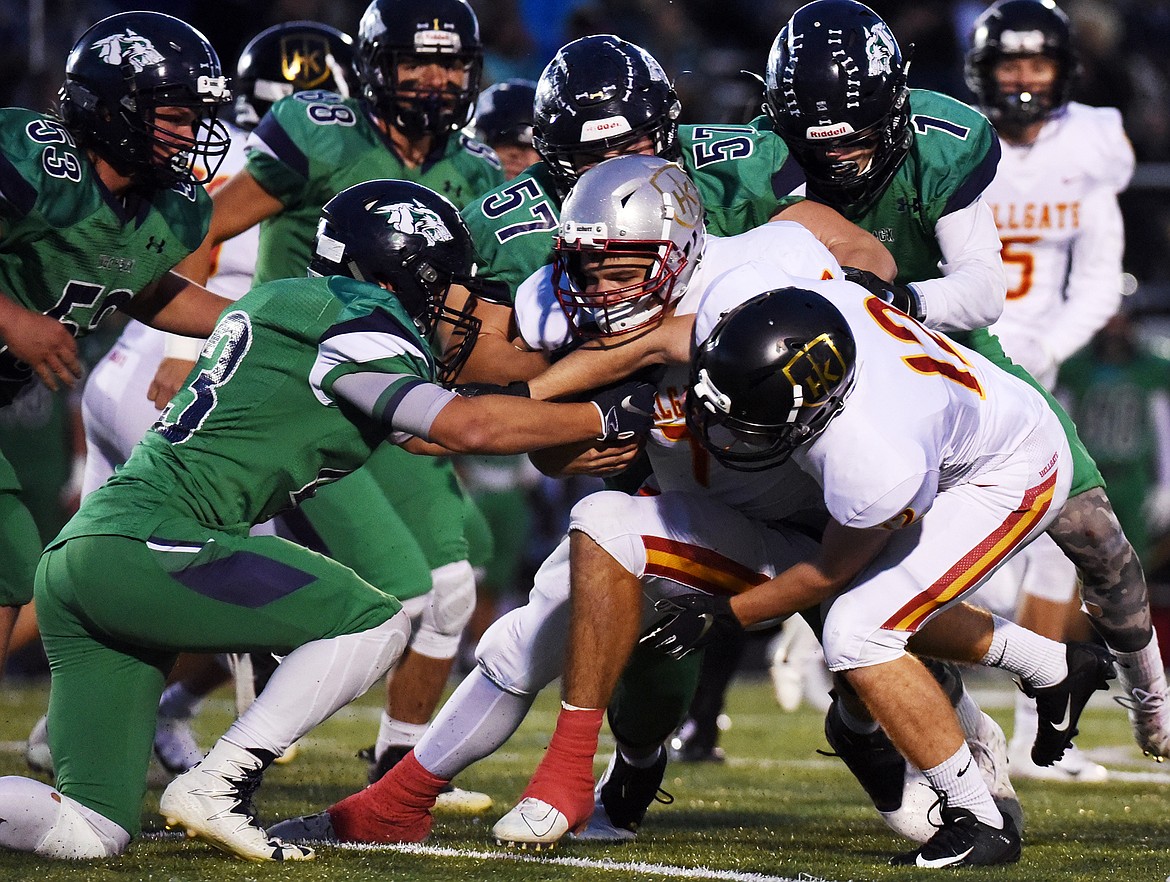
99,204
911,165
117,409
419,64
1054,199
298,384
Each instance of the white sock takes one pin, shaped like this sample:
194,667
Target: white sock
178,702
396,733
1142,669
959,779
969,713
474,722
1036,660
314,681
1026,722
854,723
640,760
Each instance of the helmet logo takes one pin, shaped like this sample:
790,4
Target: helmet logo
436,36
816,368
602,94
1022,42
302,60
835,130
680,198
128,48
879,49
595,130
415,219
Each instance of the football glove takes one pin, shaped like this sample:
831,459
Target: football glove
901,297
518,388
692,621
627,410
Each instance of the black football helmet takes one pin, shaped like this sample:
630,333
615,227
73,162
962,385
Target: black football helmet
441,31
503,114
771,376
291,57
125,67
836,79
1020,27
410,238
600,94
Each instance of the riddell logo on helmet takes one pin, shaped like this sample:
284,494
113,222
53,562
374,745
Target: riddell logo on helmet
597,129
818,133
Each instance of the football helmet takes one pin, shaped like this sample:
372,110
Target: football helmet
120,72
291,57
634,207
446,32
835,81
503,114
771,376
601,94
1020,27
414,240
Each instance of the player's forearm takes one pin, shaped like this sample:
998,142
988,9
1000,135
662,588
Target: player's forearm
503,424
973,289
178,305
851,245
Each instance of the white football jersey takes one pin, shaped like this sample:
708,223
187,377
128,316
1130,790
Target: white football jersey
925,413
1055,205
781,253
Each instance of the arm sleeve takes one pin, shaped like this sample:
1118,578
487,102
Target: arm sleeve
404,403
973,288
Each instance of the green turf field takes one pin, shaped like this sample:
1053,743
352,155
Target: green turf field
776,810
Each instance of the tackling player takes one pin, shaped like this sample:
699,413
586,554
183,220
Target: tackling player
301,380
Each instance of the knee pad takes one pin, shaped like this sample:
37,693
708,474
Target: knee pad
441,615
42,821
611,520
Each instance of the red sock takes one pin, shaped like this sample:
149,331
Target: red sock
396,808
564,778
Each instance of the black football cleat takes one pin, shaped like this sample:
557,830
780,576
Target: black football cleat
964,841
1090,667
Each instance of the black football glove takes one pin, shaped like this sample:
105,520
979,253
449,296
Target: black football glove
517,388
692,621
901,297
627,410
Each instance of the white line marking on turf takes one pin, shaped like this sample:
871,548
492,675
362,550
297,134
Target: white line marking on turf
665,870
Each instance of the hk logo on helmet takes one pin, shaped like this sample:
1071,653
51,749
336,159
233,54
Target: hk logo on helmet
303,60
415,219
128,48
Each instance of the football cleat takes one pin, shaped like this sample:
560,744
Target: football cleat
964,841
451,800
1058,707
1149,715
36,749
695,743
1074,766
622,797
989,749
872,758
307,828
174,744
213,802
533,824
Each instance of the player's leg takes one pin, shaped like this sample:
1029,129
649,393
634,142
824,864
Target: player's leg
616,542
20,549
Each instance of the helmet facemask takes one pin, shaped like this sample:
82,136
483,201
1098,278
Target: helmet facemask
416,109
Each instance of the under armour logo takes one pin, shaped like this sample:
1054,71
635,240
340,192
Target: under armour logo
157,246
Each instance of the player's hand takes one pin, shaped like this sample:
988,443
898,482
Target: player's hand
627,410
692,621
901,297
592,459
170,377
44,345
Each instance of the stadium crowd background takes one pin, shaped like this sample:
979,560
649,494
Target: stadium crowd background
706,46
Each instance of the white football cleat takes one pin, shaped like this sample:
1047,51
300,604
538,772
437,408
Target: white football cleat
213,802
533,824
36,750
1074,766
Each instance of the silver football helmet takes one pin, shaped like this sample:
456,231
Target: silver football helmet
640,216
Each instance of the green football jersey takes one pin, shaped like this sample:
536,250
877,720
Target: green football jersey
68,247
312,145
259,425
952,159
744,174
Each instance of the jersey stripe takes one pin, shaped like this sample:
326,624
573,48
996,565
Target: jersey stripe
979,561
978,181
698,567
271,138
